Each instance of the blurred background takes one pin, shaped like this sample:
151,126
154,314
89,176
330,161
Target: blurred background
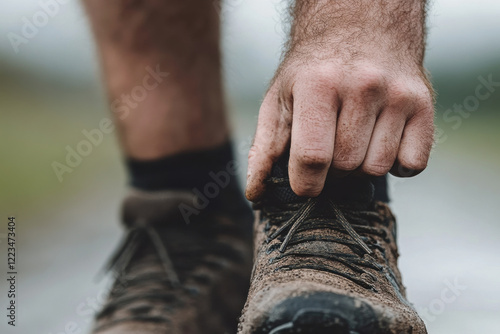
50,92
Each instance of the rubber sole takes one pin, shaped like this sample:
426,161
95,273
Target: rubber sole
311,321
320,313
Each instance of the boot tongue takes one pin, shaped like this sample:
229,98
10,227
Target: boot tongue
356,190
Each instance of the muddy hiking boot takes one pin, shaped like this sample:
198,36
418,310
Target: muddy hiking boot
326,264
179,278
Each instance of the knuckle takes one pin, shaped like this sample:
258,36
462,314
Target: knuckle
406,94
307,189
315,159
423,95
347,165
401,95
313,120
321,79
346,157
324,84
371,79
415,164
376,169
423,99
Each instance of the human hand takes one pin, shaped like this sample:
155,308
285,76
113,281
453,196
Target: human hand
369,112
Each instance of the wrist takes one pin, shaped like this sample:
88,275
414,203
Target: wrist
365,29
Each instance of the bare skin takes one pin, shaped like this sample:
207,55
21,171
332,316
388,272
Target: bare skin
350,96
185,111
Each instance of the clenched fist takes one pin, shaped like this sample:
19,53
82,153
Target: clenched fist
347,98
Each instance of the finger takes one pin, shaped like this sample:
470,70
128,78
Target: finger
384,143
415,147
271,139
417,138
354,129
315,105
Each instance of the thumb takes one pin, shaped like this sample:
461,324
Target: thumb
271,140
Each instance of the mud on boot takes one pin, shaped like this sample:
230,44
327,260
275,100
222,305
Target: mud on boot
178,278
326,264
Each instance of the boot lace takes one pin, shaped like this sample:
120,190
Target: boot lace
290,219
164,283
138,236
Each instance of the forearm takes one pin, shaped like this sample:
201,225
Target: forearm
346,29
